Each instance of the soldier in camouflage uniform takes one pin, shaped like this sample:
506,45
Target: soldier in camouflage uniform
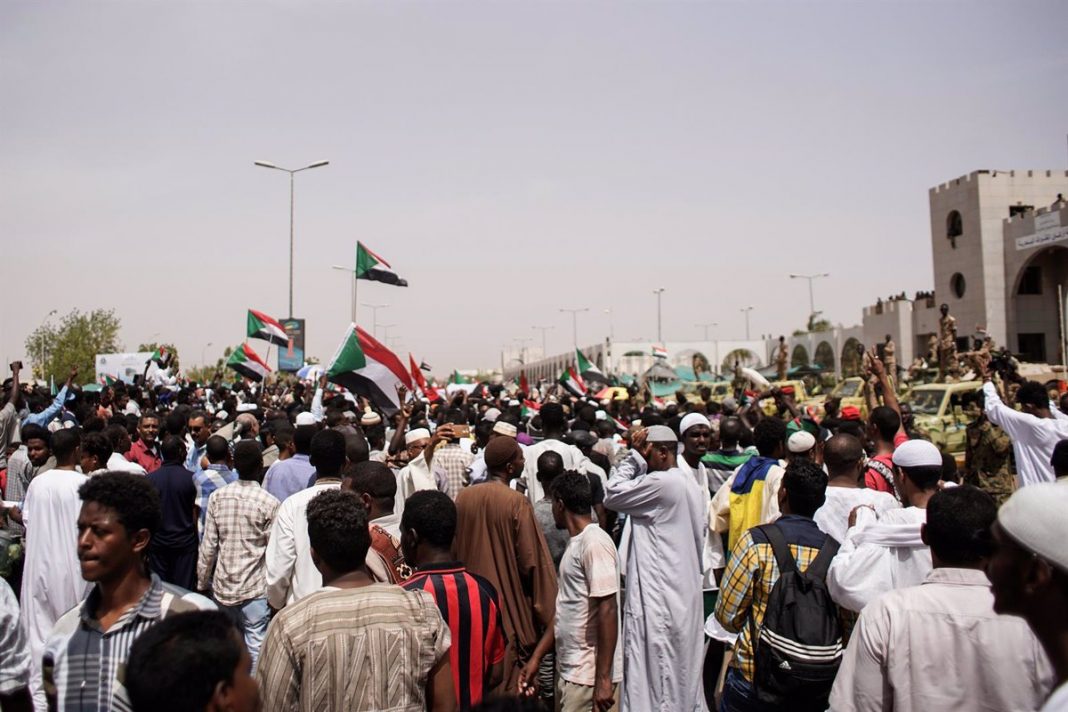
988,457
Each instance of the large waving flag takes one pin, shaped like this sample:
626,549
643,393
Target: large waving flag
366,367
371,266
246,362
587,369
261,326
572,381
420,381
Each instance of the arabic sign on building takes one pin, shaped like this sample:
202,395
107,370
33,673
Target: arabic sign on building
1048,230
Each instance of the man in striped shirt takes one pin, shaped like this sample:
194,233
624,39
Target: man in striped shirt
88,648
355,644
467,602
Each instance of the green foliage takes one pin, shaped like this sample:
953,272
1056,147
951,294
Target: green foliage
75,341
173,364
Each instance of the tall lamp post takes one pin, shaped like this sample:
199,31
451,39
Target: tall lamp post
353,295
574,322
374,316
811,278
291,172
746,310
543,329
659,336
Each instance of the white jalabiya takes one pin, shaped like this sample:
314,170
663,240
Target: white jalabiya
663,642
879,555
571,455
833,517
412,478
712,557
52,581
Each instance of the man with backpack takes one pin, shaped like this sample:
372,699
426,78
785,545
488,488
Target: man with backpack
941,645
774,595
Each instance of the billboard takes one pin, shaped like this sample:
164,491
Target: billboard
291,357
123,366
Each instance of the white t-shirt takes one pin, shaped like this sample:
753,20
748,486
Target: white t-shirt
588,569
833,517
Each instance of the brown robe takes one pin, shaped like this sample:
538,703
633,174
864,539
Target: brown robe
498,538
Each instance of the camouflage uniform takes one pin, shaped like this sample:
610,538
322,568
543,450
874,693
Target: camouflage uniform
988,460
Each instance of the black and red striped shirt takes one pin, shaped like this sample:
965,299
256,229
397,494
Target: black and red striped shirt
468,603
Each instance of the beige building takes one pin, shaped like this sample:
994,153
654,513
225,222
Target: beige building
977,271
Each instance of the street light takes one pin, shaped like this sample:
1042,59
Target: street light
291,172
574,322
543,329
353,299
522,340
659,336
611,330
811,278
385,331
202,350
374,316
746,310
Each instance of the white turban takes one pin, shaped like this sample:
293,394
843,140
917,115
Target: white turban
416,435
691,420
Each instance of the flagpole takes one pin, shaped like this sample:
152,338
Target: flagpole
268,360
354,297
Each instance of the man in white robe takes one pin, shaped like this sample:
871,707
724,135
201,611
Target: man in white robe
52,581
416,475
663,639
554,424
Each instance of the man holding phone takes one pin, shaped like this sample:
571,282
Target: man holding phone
449,461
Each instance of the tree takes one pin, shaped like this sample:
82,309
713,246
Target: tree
76,341
171,349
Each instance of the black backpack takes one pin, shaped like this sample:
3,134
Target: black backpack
799,648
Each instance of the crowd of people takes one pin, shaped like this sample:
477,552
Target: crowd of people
291,546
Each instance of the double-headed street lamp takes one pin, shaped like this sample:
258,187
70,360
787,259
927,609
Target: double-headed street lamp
746,310
291,172
574,322
811,278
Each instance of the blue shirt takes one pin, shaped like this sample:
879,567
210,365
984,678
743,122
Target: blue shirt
45,416
192,460
207,481
286,477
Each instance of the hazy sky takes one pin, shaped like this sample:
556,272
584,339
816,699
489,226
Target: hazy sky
508,158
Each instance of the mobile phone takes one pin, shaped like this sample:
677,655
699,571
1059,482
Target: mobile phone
461,431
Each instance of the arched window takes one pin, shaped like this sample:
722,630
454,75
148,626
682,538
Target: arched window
954,227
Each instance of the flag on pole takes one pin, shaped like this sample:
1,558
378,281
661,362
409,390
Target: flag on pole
261,326
364,366
108,380
248,363
573,382
160,355
420,381
424,366
456,378
585,367
371,266
659,351
524,384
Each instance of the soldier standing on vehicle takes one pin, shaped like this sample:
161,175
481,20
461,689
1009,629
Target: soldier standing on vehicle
987,454
782,358
890,357
947,344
